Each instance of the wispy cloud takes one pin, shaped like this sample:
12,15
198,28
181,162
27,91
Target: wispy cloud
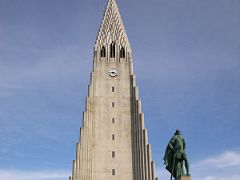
162,173
61,62
219,167
227,159
230,177
26,93
34,175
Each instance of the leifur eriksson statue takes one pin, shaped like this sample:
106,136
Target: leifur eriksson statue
175,155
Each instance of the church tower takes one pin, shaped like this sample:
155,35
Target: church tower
113,141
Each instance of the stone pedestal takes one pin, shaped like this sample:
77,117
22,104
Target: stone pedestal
184,178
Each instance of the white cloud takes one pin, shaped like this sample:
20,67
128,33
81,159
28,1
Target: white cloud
225,166
230,177
162,173
227,159
51,67
34,175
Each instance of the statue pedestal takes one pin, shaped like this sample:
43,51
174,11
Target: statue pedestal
184,178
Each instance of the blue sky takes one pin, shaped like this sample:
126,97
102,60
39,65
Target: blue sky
186,57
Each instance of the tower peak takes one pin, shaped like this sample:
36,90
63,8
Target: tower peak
112,29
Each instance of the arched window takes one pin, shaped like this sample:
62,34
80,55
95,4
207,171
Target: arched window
122,53
112,50
103,52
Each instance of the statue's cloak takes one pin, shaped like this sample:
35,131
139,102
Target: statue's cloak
168,160
173,164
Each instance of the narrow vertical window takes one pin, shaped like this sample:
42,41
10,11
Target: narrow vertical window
113,154
113,120
113,137
103,52
113,104
122,53
113,172
113,89
112,50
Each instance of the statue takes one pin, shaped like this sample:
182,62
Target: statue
175,155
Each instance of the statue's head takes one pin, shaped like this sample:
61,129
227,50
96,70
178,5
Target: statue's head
178,132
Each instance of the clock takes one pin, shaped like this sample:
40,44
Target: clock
112,72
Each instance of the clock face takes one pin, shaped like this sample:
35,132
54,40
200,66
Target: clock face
112,72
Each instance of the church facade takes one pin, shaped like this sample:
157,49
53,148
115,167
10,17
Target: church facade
113,140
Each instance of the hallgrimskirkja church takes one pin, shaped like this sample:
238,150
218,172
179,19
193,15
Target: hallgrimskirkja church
113,141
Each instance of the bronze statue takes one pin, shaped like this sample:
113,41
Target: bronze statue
175,155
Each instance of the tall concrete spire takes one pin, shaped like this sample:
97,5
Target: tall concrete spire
113,140
112,28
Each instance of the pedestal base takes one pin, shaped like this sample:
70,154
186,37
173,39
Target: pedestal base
184,178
